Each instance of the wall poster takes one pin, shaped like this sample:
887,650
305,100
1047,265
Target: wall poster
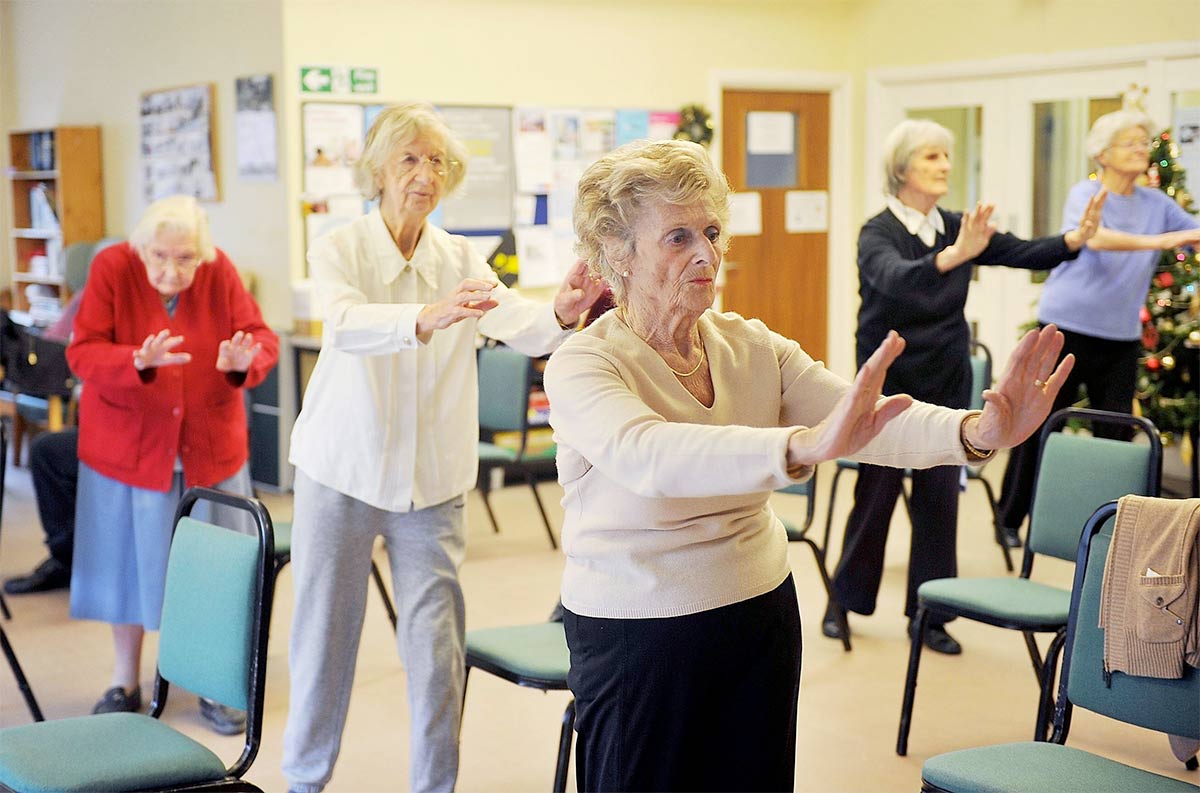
178,155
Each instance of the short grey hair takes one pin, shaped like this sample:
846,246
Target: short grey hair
401,124
615,188
179,213
1110,125
909,137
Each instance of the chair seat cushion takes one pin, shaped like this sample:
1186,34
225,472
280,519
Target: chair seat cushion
491,453
1038,767
112,751
1035,605
525,652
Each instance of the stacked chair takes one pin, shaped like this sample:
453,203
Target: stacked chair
1168,706
213,641
1075,475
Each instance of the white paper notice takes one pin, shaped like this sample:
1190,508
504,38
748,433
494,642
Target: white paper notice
806,210
1187,137
535,257
745,214
770,132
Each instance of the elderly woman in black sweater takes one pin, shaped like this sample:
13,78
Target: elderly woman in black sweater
914,263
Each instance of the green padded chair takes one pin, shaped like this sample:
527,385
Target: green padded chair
1075,474
213,641
1168,706
981,378
283,555
808,489
505,377
534,656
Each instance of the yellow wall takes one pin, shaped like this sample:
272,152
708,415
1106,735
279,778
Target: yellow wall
87,61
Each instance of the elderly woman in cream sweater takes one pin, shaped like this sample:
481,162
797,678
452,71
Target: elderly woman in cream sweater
674,424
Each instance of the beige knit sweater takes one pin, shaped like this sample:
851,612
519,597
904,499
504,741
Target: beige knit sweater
665,500
1151,590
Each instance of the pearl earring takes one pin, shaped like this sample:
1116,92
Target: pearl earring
625,274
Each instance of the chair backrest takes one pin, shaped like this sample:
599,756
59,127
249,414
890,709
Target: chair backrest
1078,473
504,377
32,364
981,373
217,611
77,260
1164,705
808,489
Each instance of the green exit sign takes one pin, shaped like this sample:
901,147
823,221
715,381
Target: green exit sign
316,79
364,81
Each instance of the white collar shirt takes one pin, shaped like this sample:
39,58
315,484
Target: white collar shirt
386,419
926,227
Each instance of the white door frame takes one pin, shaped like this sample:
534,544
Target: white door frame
842,289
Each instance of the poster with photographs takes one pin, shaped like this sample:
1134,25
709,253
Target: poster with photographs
255,121
177,143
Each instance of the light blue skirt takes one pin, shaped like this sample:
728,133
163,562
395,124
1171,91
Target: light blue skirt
122,537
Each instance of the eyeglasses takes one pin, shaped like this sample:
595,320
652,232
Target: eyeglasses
184,262
1137,143
439,165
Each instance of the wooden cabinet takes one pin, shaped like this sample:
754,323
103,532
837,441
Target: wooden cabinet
59,169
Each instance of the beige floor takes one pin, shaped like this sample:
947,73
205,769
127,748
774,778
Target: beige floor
849,703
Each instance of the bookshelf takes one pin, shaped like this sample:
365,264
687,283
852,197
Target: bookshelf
63,165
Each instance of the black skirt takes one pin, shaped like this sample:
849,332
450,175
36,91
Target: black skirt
706,701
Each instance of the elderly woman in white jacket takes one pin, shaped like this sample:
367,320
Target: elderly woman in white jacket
386,443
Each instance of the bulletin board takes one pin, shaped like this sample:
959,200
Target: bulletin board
517,200
178,155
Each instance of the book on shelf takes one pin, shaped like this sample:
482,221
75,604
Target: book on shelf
41,209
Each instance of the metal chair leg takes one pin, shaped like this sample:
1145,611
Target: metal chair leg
910,682
383,593
564,748
484,490
821,568
532,480
1041,729
22,682
1034,655
4,608
1004,549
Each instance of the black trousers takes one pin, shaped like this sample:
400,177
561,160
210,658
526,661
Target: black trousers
1108,370
54,467
934,501
705,701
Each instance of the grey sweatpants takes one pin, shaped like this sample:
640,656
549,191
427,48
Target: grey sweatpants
332,537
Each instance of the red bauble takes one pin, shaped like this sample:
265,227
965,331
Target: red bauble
1153,364
1144,314
1166,279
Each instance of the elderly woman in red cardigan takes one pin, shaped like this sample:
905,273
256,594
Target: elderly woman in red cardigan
165,340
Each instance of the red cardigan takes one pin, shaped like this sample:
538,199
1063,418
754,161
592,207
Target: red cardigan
132,426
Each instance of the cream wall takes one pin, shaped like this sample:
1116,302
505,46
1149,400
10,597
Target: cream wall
88,61
652,53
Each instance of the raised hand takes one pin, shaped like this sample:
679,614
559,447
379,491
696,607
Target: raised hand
156,350
858,417
236,354
1020,402
471,299
577,294
973,236
1089,223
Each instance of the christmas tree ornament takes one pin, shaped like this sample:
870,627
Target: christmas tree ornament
695,124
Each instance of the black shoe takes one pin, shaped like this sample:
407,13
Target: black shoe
117,700
834,624
221,718
938,640
1010,536
50,574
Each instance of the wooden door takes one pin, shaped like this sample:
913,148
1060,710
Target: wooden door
779,275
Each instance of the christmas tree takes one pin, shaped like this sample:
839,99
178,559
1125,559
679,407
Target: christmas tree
1166,386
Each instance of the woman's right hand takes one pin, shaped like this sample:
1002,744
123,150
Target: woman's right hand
1178,239
156,351
858,417
973,236
471,299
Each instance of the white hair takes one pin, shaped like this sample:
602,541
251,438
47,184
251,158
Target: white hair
1110,125
909,137
401,124
178,213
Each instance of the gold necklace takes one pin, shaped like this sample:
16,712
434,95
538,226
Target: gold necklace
676,372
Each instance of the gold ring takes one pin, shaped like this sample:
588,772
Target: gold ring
1039,383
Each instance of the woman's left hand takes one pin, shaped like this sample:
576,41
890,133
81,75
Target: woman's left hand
577,294
236,354
1089,223
1020,402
